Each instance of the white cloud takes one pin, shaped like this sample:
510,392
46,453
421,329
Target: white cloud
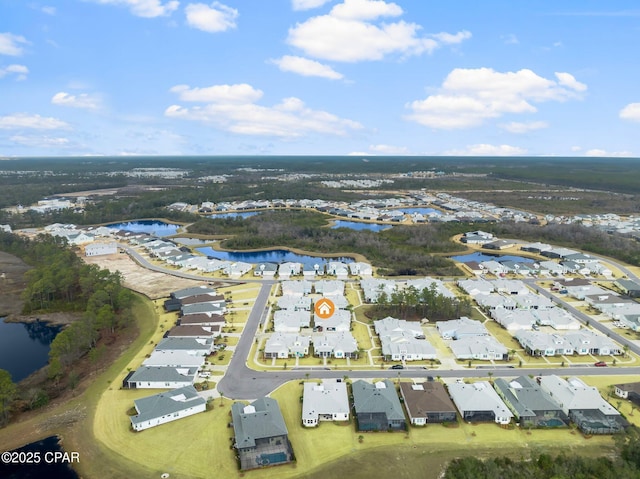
241,93
510,39
83,100
597,152
389,149
517,127
468,97
307,4
40,141
348,34
631,112
306,67
484,149
19,70
145,8
214,18
233,108
11,44
49,10
24,120
576,148
568,80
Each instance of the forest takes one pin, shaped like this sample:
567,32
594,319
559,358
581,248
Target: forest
626,465
60,281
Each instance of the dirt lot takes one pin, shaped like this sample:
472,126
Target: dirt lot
150,283
12,283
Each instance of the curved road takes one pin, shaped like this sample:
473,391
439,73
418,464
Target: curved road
241,382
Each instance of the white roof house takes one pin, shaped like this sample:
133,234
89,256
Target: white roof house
284,345
296,303
474,287
174,358
494,301
327,401
340,320
511,287
514,320
389,325
286,270
296,288
373,287
329,288
166,407
98,249
479,402
557,318
573,394
479,347
338,269
290,321
585,341
361,269
538,343
428,283
237,269
161,377
461,328
533,301
335,344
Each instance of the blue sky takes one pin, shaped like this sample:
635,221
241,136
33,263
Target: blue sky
319,77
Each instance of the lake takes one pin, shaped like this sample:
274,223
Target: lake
480,257
24,348
356,225
152,227
270,256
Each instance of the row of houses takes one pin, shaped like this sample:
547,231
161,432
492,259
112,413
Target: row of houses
177,359
373,288
547,401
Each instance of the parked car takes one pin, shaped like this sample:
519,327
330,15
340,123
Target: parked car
397,366
600,364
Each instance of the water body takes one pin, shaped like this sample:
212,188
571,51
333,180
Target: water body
51,469
152,227
480,257
270,256
244,214
24,348
356,225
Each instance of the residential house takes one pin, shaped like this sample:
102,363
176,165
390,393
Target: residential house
202,308
204,320
174,358
630,391
193,331
377,406
340,321
290,321
403,341
461,328
100,249
586,341
474,287
427,403
372,288
195,346
537,344
584,405
335,345
166,407
478,402
338,269
329,288
286,270
296,288
360,269
485,348
261,436
284,345
628,287
324,401
266,270
514,320
193,291
160,377
295,303
531,406
557,318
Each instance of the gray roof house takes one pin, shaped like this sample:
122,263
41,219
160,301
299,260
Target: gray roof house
427,403
478,402
630,391
194,291
377,406
202,308
461,328
166,407
160,377
584,405
261,436
195,346
174,358
324,401
529,403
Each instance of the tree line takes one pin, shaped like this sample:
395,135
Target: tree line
60,281
625,465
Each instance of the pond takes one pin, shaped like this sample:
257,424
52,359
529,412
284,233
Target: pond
47,467
24,348
480,257
356,225
270,256
152,227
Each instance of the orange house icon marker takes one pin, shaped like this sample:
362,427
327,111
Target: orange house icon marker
324,308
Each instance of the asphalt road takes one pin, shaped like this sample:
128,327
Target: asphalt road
241,382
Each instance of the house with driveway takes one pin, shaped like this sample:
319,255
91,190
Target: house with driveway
285,345
461,328
630,391
484,348
261,437
377,406
324,401
166,407
335,345
427,403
